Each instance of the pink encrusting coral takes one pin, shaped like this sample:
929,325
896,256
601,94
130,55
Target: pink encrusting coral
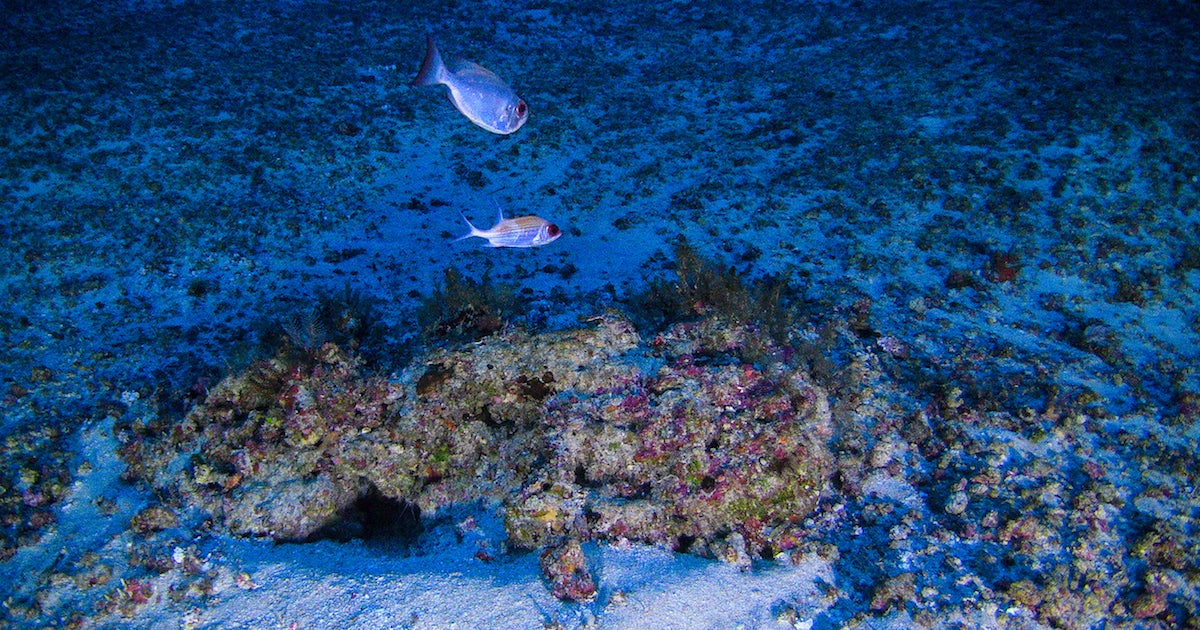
579,435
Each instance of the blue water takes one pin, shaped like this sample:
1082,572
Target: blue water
1008,190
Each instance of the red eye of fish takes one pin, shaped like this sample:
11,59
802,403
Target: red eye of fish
522,108
553,230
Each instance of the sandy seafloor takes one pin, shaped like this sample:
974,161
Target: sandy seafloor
1004,194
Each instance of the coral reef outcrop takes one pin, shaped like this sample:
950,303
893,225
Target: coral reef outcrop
588,434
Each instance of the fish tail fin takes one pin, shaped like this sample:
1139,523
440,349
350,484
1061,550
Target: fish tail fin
474,231
432,69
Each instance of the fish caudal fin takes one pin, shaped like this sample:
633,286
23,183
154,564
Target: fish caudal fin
474,231
433,69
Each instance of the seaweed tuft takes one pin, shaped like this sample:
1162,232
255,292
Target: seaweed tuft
704,287
351,320
348,318
464,309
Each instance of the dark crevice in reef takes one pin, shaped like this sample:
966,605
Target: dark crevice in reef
375,518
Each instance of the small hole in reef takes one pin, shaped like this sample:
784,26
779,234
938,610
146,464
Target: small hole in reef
684,542
375,517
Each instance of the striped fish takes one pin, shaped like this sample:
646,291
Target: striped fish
526,231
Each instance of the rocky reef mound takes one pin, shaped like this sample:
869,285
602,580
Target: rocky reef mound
589,434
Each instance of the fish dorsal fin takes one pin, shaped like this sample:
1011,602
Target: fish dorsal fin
499,211
470,67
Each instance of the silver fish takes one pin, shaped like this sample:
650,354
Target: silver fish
477,92
526,231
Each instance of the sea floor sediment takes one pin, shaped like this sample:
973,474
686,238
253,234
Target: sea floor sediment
981,220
